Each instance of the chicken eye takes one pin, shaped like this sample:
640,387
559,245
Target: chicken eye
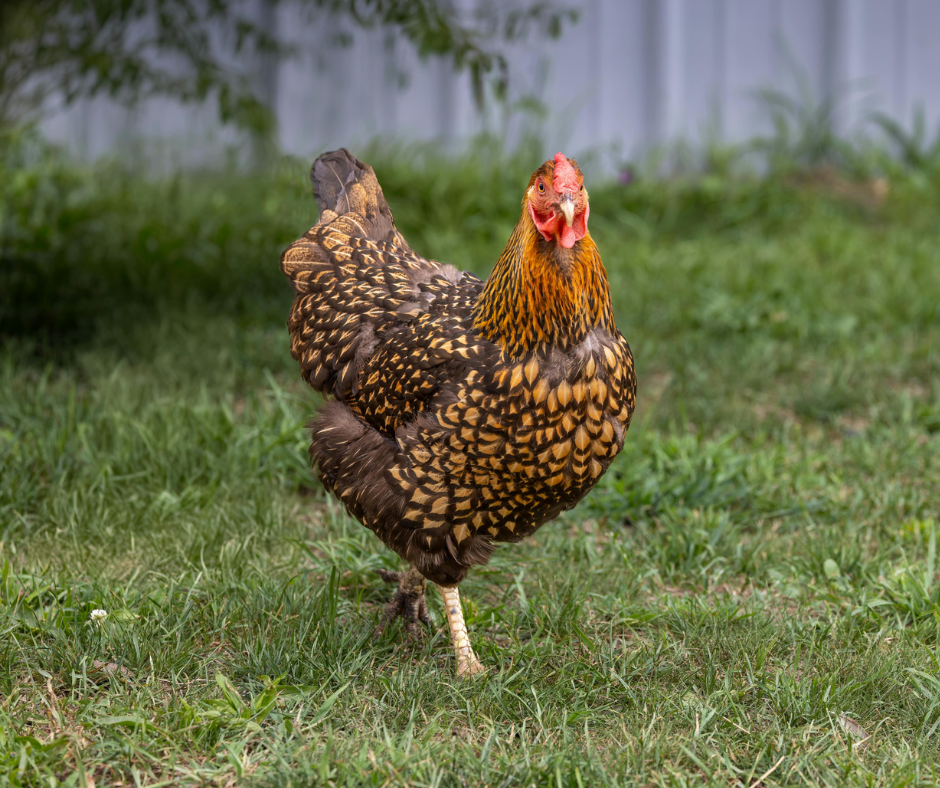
541,188
582,188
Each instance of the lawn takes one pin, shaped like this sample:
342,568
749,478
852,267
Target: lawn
750,597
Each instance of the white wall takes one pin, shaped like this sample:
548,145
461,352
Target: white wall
630,74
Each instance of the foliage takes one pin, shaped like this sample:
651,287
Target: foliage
466,37
193,52
128,50
913,149
804,132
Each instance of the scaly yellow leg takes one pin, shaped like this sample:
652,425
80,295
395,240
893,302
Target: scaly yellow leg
467,662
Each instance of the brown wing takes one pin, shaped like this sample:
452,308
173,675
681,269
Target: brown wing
355,277
431,353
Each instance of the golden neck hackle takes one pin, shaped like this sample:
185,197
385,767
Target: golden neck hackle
542,296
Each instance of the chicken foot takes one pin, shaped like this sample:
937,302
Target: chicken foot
467,662
408,601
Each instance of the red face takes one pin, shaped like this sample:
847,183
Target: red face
559,207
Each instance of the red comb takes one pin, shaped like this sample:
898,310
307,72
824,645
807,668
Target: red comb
566,177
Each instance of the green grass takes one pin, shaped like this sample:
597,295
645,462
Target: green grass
751,591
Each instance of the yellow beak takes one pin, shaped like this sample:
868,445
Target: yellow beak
567,208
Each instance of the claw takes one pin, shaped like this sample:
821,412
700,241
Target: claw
408,601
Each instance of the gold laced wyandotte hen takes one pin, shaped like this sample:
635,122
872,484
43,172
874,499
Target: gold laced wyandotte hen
464,413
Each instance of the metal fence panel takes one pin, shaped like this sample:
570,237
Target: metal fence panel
629,75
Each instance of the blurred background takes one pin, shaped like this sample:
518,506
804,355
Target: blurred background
614,78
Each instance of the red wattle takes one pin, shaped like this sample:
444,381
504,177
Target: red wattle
567,236
553,226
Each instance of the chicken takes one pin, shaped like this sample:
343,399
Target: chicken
463,413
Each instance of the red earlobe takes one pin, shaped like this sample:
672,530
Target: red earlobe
543,224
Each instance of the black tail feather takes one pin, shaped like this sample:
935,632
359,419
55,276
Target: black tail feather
343,184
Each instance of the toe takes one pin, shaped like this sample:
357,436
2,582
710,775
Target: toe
470,668
389,576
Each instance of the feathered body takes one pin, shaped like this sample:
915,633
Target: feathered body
465,413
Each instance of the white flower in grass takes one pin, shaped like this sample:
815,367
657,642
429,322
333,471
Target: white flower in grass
97,616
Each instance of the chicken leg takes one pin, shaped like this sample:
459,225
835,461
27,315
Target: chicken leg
467,662
408,601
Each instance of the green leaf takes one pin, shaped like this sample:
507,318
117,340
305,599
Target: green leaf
327,705
127,719
230,693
